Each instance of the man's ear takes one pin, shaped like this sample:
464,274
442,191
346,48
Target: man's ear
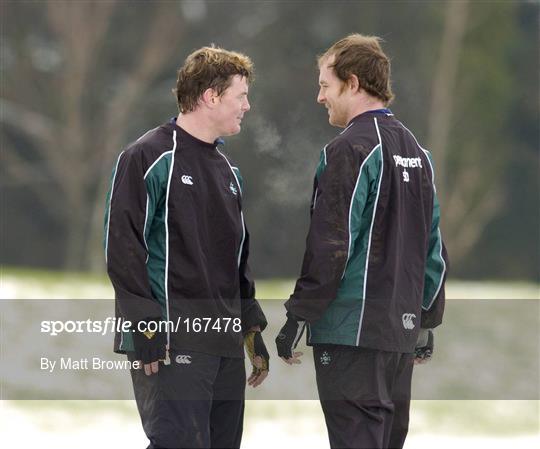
353,83
209,97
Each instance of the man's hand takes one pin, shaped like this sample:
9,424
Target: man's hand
424,347
288,339
149,346
258,354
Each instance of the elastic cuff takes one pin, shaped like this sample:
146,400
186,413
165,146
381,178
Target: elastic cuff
256,318
293,317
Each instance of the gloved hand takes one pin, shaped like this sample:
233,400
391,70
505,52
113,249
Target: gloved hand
424,346
258,354
288,339
150,347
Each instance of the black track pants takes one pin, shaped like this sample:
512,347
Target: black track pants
195,402
365,395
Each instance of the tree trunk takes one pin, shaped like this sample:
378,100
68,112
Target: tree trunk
76,225
444,83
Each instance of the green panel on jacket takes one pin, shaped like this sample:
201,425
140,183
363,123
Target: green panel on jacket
155,236
340,322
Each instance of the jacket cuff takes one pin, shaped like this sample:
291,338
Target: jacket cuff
136,308
253,316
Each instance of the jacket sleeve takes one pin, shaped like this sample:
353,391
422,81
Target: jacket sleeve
327,244
435,274
252,314
125,247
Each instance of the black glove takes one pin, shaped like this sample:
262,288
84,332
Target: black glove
289,336
255,347
424,345
149,346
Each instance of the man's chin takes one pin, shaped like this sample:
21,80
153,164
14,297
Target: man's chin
336,122
232,131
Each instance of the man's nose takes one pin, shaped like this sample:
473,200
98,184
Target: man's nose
320,98
247,106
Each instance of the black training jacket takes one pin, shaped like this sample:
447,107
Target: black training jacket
176,243
375,263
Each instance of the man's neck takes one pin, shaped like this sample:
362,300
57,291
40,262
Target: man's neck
365,105
198,126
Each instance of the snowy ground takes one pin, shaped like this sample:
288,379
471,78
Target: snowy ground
117,426
279,423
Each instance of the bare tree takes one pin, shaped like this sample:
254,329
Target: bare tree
471,198
74,76
64,134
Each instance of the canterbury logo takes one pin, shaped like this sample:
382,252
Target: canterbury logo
233,188
187,180
183,359
407,320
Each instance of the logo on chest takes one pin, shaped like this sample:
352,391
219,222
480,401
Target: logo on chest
233,188
186,179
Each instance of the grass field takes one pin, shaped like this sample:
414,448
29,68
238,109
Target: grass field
293,423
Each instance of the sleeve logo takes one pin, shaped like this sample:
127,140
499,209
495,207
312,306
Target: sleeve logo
407,320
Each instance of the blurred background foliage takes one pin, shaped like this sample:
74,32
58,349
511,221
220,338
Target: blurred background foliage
79,80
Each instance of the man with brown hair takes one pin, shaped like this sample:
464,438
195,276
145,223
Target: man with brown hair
372,282
177,250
